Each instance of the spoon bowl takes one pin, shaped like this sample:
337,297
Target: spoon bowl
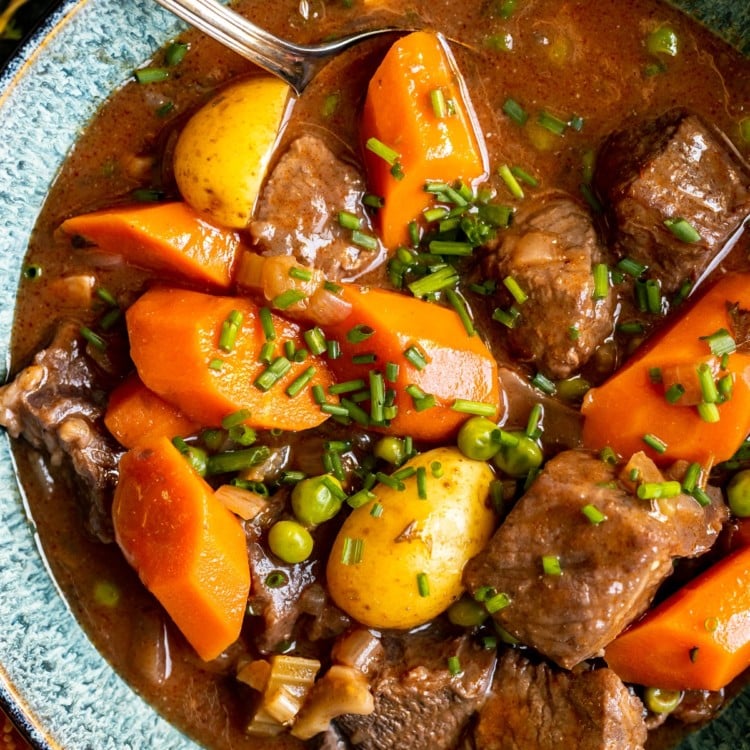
296,64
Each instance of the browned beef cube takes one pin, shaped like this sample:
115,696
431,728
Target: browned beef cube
610,570
535,706
550,251
419,704
297,211
673,167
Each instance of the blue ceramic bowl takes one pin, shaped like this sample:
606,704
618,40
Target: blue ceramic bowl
54,684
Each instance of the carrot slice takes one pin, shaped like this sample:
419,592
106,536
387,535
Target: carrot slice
399,112
188,549
134,414
456,365
175,337
697,639
167,237
629,405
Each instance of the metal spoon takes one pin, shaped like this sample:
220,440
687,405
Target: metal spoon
294,63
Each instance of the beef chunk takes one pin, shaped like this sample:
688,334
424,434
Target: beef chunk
418,703
57,404
674,166
550,251
298,209
535,707
610,571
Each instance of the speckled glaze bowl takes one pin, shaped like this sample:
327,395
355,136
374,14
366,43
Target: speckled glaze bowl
54,684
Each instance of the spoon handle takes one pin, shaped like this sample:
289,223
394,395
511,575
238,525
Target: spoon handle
281,58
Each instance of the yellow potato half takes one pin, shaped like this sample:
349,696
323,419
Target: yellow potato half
411,540
222,154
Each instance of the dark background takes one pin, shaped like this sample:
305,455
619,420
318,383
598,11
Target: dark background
17,19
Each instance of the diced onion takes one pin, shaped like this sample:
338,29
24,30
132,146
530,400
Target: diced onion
359,649
243,503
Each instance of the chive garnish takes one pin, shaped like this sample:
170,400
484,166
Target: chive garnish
380,149
544,384
494,602
444,278
631,267
454,666
674,393
359,333
365,359
364,240
656,490
437,99
232,461
708,412
510,181
552,123
359,415
334,410
515,111
391,372
266,322
303,274
266,353
594,515
272,374
524,176
288,298
507,317
348,386
349,220
720,342
151,75
601,281
175,53
235,418
333,349
608,455
377,510
459,305
315,340
94,339
691,478
654,442
708,387
423,584
515,290
300,382
551,565
450,247
360,498
351,551
475,408
415,357
683,230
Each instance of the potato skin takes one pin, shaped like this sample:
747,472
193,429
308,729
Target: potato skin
222,154
436,536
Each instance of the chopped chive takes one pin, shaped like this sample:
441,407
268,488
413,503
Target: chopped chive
175,53
315,340
709,391
475,408
242,434
535,418
110,319
377,510
359,333
601,281
573,333
591,198
683,230
631,328
725,385
377,397
437,99
423,584
232,461
608,455
510,181
151,75
351,551
720,342
515,111
653,297
266,353
333,349
300,382
443,278
550,122
654,375
318,394
654,442
334,410
701,496
348,386
674,393
266,322
330,105
450,247
164,109
373,201
631,267
359,415
349,220
364,240
576,123
437,469
459,305
515,290
289,350
507,317
216,364
415,357
496,215
495,602
302,274
288,298
656,490
663,41
235,418
358,499
454,666
594,515
432,215
691,478
708,412
365,359
524,176
94,339
106,296
397,171
551,565
414,233
544,384
380,149
272,374
422,483
390,481
276,579
391,372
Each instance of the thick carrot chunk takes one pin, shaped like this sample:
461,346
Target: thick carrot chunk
188,549
403,112
170,238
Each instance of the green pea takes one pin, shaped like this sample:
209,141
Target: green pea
317,499
467,613
738,494
519,459
290,541
391,450
476,439
661,701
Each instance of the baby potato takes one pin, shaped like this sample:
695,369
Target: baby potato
222,154
413,553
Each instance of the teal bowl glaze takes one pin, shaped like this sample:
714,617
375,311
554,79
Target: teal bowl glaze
54,684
